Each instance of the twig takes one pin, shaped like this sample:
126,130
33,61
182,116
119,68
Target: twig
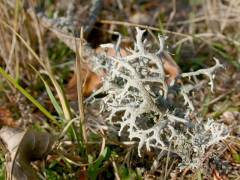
142,26
79,88
220,97
172,13
115,170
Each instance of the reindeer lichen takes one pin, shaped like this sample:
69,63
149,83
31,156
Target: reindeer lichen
138,98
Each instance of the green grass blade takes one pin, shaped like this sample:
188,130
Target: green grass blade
28,96
50,94
53,100
95,168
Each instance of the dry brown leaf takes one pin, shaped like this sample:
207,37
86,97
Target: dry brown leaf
91,82
21,147
6,118
170,66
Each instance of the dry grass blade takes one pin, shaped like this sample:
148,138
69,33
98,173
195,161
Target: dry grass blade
142,26
58,88
79,59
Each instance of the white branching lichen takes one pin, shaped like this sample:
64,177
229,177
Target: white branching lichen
138,100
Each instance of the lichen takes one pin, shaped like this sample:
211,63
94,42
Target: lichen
135,84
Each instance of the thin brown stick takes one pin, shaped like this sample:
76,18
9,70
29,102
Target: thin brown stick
79,59
172,13
141,26
117,177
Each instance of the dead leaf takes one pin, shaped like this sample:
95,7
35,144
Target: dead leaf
6,118
21,147
170,66
91,82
